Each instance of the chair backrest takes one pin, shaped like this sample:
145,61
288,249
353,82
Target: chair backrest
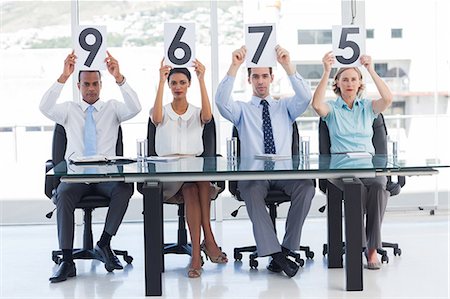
208,137
59,145
232,185
379,141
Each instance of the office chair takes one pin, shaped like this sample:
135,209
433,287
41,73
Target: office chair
209,150
88,203
273,200
379,141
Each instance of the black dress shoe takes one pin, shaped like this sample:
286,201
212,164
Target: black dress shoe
289,267
107,256
273,267
65,269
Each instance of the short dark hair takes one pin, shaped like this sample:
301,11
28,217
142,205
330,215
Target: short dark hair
88,71
179,70
249,70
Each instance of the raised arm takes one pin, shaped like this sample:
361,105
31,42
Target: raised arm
386,96
284,59
237,58
48,106
319,94
157,114
205,113
69,67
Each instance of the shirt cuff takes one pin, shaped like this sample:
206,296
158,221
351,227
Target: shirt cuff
123,81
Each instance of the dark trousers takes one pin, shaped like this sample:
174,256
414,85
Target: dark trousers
68,195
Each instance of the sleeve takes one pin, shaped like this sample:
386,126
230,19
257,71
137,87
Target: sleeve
56,112
369,108
131,106
330,114
228,108
297,104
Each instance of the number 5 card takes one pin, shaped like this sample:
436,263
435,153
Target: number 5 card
260,41
179,44
90,47
349,43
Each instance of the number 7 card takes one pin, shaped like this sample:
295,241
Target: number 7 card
260,41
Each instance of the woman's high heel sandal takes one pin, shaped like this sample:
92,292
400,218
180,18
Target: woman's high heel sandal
220,259
194,273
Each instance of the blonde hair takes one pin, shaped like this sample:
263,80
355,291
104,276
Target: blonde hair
337,90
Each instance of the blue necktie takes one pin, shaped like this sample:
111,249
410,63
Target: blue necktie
269,143
90,135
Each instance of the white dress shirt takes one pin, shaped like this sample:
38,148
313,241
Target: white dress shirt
107,115
179,134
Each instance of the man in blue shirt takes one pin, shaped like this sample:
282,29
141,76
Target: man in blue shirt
265,127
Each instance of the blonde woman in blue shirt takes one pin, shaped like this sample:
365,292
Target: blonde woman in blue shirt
349,120
179,129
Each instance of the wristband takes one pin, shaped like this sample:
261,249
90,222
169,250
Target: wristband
123,82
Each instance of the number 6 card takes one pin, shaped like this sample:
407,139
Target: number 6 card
348,45
90,47
179,44
260,41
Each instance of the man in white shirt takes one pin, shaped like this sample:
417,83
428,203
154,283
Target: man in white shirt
97,137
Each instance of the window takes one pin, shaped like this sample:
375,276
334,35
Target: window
314,37
381,68
396,33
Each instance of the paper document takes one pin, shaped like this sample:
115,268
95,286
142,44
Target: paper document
359,155
272,157
97,159
162,159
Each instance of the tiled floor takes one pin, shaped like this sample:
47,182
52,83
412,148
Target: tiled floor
422,271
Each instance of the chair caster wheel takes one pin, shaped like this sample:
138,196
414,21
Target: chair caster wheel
56,259
300,261
397,251
128,259
310,255
253,264
238,256
385,258
109,269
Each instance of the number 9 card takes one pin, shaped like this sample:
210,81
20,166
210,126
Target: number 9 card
90,47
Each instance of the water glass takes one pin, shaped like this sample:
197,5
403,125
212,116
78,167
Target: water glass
231,148
142,151
304,146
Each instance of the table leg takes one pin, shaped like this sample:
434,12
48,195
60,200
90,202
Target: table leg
353,193
153,238
334,202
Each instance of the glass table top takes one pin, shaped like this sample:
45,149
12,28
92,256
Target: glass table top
217,165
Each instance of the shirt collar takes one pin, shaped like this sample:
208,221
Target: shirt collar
256,101
174,116
341,103
97,105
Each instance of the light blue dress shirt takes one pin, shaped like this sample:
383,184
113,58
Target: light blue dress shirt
247,116
350,129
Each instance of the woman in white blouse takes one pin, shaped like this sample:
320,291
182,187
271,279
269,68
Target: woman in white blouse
179,129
